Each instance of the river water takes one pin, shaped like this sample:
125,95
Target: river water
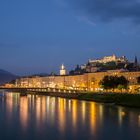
36,117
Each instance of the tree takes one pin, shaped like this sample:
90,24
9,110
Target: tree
113,82
107,82
138,80
121,87
123,82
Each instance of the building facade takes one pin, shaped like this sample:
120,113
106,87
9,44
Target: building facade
87,81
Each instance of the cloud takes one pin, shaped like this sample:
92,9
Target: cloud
108,10
86,20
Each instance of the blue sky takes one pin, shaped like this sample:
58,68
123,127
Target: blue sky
39,35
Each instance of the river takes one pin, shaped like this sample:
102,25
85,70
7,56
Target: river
35,117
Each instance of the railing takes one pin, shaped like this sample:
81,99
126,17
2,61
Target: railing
47,90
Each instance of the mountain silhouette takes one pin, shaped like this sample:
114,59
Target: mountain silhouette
6,76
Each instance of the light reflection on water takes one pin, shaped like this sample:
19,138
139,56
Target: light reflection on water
23,112
43,117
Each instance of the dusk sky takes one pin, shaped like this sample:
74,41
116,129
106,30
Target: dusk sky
37,36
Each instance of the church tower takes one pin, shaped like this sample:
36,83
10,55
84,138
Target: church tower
62,70
136,61
136,64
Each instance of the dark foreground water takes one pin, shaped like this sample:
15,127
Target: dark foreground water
48,118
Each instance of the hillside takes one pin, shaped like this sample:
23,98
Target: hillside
6,76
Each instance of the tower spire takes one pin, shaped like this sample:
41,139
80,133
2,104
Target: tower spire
136,61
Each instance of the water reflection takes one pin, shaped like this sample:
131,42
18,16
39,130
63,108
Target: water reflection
92,117
120,115
23,112
83,112
139,120
11,101
74,113
61,114
72,117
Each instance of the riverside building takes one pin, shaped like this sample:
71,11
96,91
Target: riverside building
87,80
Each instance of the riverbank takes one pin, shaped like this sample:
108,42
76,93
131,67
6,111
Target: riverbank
129,100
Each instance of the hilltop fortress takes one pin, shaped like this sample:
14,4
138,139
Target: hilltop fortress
107,59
